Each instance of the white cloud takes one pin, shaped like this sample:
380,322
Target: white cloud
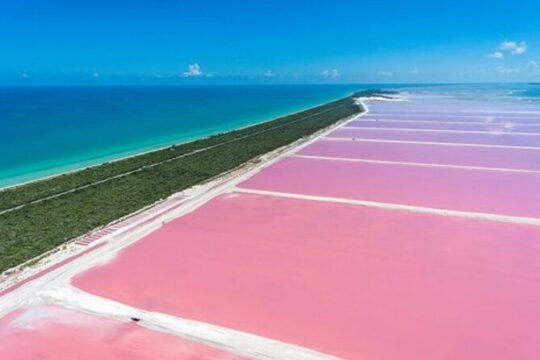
415,71
269,74
507,45
520,50
193,70
497,55
386,73
330,74
514,47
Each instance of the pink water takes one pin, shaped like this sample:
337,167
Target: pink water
509,127
354,282
442,137
54,333
454,189
430,154
456,116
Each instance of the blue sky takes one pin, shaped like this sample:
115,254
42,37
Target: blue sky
296,41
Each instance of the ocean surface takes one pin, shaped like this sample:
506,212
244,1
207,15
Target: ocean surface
509,93
49,130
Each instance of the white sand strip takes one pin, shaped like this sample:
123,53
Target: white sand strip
238,342
444,166
390,206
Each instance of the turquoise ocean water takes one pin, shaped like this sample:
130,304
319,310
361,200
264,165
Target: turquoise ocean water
507,92
48,130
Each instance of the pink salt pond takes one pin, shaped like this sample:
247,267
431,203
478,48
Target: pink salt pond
508,127
504,193
525,159
55,333
354,282
456,116
495,138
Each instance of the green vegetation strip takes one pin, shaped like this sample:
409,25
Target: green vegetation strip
39,216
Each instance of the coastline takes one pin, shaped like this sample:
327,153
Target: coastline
49,171
181,203
118,190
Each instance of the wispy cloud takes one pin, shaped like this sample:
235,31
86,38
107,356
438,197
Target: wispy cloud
509,47
96,75
415,70
514,47
330,74
496,55
25,75
386,73
193,70
269,74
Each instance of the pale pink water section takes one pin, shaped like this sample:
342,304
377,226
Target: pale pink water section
350,281
525,159
55,333
488,117
503,193
507,127
504,139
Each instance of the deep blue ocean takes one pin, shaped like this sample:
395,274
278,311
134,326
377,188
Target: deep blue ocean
48,130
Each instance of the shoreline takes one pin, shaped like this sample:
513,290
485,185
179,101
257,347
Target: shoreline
143,150
33,269
118,190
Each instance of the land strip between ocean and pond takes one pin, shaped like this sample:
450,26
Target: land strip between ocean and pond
38,217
